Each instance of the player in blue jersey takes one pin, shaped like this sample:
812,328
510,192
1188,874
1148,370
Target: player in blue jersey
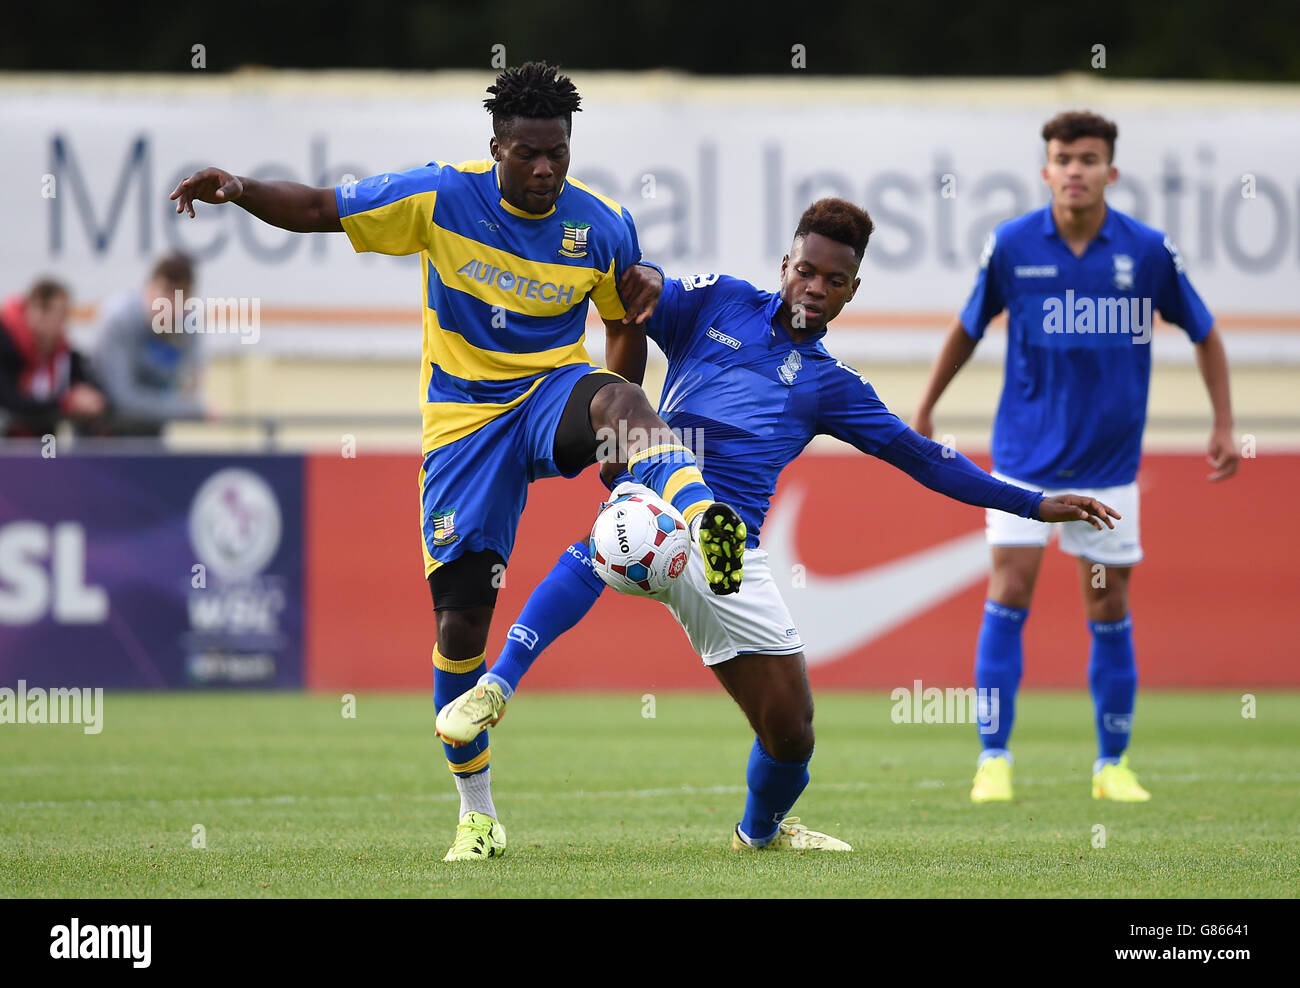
747,371
1080,281
511,250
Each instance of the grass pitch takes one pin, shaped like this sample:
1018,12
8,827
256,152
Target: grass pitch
296,800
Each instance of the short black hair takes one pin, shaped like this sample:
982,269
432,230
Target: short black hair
839,220
1073,124
535,90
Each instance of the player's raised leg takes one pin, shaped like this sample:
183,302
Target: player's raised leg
1112,677
773,692
999,659
655,458
558,603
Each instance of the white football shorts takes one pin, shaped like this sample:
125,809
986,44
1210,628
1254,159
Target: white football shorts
1120,546
722,627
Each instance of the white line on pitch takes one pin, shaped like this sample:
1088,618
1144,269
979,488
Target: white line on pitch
506,795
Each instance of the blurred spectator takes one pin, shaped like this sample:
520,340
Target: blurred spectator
42,379
150,376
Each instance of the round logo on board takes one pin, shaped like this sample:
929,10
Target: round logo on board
235,523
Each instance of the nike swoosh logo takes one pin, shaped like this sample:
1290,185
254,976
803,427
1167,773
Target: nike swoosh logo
837,615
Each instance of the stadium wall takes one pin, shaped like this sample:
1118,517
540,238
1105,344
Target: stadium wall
891,595
289,571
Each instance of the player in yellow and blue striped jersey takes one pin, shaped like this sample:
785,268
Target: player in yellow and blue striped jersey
511,249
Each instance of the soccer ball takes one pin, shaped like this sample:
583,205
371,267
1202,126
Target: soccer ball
639,544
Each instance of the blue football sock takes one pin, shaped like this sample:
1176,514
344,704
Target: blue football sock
451,678
560,601
773,789
670,471
999,661
1112,675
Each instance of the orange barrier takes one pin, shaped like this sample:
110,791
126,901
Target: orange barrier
1210,603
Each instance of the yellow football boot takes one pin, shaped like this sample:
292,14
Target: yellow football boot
1118,782
460,721
478,836
992,781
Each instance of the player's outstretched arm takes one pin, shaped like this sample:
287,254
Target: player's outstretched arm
957,349
288,205
1076,507
948,472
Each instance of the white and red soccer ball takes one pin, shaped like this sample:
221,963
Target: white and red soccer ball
639,544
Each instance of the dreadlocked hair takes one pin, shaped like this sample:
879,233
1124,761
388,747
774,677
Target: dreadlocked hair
534,90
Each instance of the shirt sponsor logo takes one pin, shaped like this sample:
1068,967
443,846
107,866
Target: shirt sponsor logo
1035,270
1085,314
724,339
517,284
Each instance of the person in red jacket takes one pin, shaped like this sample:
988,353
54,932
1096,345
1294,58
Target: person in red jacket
42,379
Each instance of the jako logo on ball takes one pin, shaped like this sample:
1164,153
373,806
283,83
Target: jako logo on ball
639,544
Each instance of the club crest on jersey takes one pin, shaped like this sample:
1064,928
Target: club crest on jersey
574,241
1123,277
790,367
444,527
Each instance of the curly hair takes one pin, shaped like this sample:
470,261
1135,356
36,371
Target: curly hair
535,90
839,220
1073,124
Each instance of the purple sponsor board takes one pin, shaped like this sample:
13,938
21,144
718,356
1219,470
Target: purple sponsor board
151,572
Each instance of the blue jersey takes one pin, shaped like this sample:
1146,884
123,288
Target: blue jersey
748,398
1078,367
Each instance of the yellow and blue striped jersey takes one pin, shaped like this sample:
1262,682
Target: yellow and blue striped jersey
505,291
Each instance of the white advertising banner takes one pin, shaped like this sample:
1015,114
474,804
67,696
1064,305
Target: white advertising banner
715,173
